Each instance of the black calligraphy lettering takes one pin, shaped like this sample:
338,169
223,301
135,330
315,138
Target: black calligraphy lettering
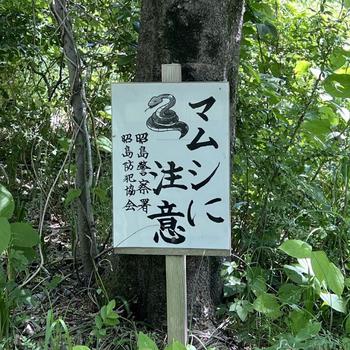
130,205
168,224
126,138
208,103
217,219
142,167
129,178
142,138
205,181
171,176
130,190
128,165
143,189
190,219
195,144
127,152
142,152
144,205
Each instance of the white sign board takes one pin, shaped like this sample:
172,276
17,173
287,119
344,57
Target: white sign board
171,165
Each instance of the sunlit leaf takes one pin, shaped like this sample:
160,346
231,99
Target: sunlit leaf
5,234
334,301
267,304
338,85
144,342
335,279
301,67
7,204
104,144
296,248
320,264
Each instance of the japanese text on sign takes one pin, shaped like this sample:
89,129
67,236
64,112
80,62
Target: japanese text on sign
171,165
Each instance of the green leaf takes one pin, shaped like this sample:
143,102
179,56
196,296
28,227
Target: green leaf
110,306
267,28
98,322
72,194
298,319
5,234
335,279
242,308
7,204
335,302
309,330
296,248
320,264
289,293
23,235
104,144
318,127
80,347
175,346
347,325
145,343
295,273
267,304
347,3
301,68
338,85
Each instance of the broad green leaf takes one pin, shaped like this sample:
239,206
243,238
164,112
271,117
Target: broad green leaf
320,264
104,144
80,347
335,279
268,305
23,235
347,325
144,342
318,127
267,28
338,58
338,85
289,293
335,302
72,194
242,308
301,68
5,234
295,273
298,319
110,306
175,346
296,248
309,330
347,3
7,204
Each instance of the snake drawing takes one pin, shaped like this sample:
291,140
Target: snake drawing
163,118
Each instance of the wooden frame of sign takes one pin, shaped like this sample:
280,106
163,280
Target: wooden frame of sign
176,290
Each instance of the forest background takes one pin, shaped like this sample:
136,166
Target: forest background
286,285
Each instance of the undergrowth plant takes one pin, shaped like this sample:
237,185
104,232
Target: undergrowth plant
301,306
17,243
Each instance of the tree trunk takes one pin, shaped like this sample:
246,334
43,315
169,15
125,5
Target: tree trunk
85,219
204,37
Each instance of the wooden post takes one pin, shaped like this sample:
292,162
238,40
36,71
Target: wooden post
176,291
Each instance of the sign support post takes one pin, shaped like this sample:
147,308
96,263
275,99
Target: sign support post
176,290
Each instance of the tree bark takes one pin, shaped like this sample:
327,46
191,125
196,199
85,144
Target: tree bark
204,37
85,218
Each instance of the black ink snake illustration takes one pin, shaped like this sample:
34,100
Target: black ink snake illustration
163,118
